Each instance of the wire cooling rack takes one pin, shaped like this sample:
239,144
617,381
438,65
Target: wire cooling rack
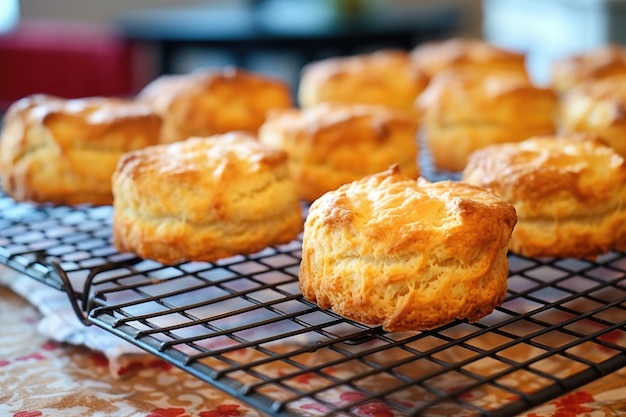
242,326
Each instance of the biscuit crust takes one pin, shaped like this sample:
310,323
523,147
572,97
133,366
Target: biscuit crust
64,151
209,102
204,199
569,193
332,144
408,255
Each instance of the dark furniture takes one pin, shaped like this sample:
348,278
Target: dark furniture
67,59
306,29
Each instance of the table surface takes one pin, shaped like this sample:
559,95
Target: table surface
44,378
39,377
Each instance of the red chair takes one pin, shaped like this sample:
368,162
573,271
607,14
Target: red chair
65,59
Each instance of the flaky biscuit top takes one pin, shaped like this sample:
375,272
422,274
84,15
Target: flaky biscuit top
394,214
372,67
383,77
313,127
212,158
504,99
599,103
433,57
551,176
83,122
94,110
606,61
209,102
166,89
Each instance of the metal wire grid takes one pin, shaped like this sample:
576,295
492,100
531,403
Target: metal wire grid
235,323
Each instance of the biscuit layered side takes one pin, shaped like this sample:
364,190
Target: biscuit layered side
408,255
204,199
64,151
569,193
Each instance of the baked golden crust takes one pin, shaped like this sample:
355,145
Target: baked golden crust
599,107
331,144
203,199
64,151
462,112
465,54
384,77
407,254
208,102
595,64
569,193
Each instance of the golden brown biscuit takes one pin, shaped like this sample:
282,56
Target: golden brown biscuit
64,151
203,199
569,193
384,77
208,102
464,54
332,144
462,112
598,107
407,254
595,64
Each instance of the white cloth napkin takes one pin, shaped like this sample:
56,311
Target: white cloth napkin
59,322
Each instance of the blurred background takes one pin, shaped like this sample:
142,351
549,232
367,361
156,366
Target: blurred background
77,48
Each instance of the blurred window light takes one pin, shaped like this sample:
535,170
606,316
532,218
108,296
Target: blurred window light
9,14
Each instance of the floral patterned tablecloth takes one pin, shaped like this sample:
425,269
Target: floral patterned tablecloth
40,377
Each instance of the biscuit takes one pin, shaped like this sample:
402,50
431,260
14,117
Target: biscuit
462,112
598,107
384,77
466,54
64,151
569,193
598,63
408,255
204,199
209,102
332,144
